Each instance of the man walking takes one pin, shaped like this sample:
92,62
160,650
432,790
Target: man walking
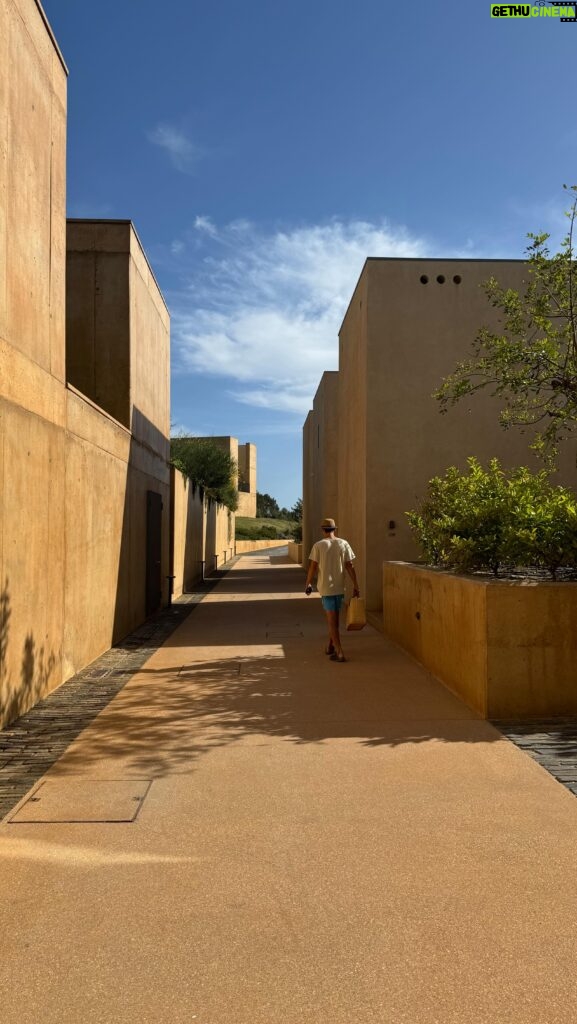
330,558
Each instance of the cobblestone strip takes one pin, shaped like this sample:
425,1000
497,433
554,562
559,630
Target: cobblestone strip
35,741
552,742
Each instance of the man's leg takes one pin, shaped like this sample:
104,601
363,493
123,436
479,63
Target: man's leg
334,635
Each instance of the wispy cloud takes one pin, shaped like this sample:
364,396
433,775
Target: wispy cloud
264,309
183,153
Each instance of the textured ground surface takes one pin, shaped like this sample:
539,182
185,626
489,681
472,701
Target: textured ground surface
249,833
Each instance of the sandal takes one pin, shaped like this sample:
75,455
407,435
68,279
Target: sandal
337,657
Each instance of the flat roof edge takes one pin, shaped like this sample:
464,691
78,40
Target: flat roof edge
126,222
444,259
423,259
48,27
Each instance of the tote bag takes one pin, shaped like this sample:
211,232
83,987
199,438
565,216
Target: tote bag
356,617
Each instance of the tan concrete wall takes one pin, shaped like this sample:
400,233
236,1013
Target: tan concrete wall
118,328
219,546
310,490
189,533
442,623
244,546
32,565
532,650
225,529
320,461
32,356
509,649
244,456
127,355
32,187
295,552
247,480
108,474
98,314
352,433
399,339
416,335
96,489
229,445
73,480
246,505
149,355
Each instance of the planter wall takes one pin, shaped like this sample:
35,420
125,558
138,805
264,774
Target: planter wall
507,648
243,546
295,552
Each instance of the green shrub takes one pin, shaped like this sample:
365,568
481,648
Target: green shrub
297,532
484,519
208,467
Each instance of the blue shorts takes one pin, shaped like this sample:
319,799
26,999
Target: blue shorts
333,603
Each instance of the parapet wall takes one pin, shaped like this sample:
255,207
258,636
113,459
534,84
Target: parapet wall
244,546
202,535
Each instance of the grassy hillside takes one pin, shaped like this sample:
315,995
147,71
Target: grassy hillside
263,529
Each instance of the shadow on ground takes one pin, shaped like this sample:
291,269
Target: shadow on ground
165,721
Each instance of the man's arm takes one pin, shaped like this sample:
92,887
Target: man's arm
351,571
313,569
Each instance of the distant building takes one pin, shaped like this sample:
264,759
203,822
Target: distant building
245,457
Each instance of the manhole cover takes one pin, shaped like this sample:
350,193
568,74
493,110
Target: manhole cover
83,800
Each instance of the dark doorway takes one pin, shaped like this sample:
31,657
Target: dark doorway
153,551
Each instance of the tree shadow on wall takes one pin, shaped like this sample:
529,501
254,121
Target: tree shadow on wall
5,615
35,670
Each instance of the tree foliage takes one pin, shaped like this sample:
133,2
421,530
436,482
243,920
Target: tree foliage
530,363
267,507
485,519
297,510
208,466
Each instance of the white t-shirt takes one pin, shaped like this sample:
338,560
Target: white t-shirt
331,553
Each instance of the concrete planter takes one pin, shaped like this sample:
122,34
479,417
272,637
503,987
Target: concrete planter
507,648
295,552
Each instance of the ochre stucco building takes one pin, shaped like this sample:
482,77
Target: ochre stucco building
375,436
84,397
90,528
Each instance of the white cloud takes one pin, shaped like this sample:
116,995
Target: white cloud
264,309
204,224
182,152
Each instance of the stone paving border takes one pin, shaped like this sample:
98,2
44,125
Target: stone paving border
552,742
35,741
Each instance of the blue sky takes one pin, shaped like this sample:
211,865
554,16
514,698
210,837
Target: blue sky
264,150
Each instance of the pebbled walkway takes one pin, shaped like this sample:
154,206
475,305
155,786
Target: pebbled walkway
249,833
32,744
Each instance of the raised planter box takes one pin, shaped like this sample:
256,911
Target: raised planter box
295,552
244,546
507,648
